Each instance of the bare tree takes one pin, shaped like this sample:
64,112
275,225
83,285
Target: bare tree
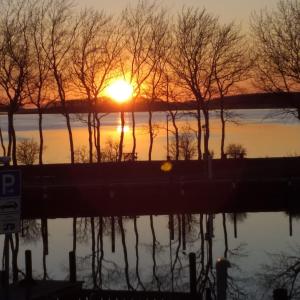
27,152
158,52
172,94
231,66
193,59
140,40
187,148
236,151
39,82
95,57
276,44
58,33
14,62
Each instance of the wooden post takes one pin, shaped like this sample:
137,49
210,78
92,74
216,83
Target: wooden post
72,266
280,294
221,268
193,273
4,283
28,265
208,294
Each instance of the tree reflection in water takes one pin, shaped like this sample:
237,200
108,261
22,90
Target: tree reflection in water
102,269
282,271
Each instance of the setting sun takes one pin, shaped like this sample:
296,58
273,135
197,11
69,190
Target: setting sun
120,90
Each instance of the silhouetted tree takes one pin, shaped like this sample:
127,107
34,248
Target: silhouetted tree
236,151
158,53
276,44
27,152
59,30
95,56
141,38
231,67
39,83
14,62
193,61
187,148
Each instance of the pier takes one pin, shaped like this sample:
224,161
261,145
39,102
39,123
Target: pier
142,188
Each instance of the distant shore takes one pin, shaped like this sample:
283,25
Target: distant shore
242,101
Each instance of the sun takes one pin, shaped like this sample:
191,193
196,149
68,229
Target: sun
120,90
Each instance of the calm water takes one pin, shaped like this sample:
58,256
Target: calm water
162,264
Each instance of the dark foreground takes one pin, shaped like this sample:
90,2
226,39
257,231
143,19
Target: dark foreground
142,188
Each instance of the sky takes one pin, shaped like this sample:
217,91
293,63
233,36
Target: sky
227,10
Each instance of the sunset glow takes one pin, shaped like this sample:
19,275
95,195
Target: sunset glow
120,90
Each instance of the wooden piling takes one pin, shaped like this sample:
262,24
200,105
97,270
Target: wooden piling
280,294
221,269
28,265
208,294
4,282
72,266
193,273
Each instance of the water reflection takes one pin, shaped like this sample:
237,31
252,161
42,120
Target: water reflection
151,253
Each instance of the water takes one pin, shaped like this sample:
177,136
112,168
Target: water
261,135
163,264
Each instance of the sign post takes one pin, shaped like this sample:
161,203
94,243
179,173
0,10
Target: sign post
10,201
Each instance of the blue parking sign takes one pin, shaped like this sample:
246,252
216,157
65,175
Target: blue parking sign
10,183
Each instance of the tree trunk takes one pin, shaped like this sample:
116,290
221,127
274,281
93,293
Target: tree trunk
2,143
9,134
133,133
12,146
120,221
74,234
90,133
41,137
122,136
223,122
225,235
137,253
98,138
207,133
15,252
176,135
94,274
199,132
150,135
67,116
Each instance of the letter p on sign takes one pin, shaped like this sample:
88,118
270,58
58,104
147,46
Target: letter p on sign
10,182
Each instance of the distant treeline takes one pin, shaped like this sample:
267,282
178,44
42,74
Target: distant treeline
243,101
